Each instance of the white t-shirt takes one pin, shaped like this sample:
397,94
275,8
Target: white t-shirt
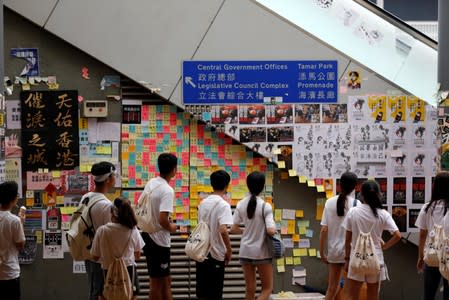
364,216
101,211
11,232
253,244
335,232
221,215
435,214
162,201
111,240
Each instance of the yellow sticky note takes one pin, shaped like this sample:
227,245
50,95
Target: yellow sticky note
281,164
277,151
329,194
299,213
303,252
296,252
296,261
302,179
281,269
68,210
59,199
38,234
280,261
292,173
320,188
291,227
310,183
289,260
312,252
277,215
302,230
56,174
295,238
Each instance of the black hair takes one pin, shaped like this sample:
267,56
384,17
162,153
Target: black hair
219,180
255,182
101,168
8,192
371,195
440,190
166,163
348,181
125,213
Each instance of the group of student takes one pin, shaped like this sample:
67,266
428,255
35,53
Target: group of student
116,234
345,217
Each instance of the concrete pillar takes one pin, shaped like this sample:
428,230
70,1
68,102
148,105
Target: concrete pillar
443,44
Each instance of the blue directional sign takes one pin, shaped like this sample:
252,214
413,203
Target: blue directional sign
220,82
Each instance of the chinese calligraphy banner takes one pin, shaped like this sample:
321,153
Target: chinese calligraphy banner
50,129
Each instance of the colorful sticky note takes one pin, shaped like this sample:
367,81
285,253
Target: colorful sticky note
296,261
302,252
291,227
299,213
320,188
292,173
277,215
289,261
277,151
281,269
296,252
309,233
312,252
302,230
295,238
310,183
280,261
302,179
281,164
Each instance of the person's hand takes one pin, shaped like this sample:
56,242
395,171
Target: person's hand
324,258
382,244
173,227
22,215
420,265
228,256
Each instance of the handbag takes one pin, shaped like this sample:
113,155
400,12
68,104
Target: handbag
274,242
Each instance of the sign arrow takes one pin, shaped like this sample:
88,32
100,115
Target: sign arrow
188,80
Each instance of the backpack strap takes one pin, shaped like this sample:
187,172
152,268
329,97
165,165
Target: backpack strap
263,216
90,205
210,212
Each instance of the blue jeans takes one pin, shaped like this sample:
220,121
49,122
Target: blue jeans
96,279
432,278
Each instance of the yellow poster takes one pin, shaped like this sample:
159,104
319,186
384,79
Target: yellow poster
416,109
397,107
378,108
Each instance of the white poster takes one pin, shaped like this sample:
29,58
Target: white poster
53,244
13,114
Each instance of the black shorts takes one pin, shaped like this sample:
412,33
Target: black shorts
158,258
210,279
10,289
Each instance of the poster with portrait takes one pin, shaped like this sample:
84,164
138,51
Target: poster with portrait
307,113
416,110
354,80
53,244
224,114
252,114
399,190
280,134
358,110
397,108
378,108
400,135
334,113
399,214
253,134
419,161
279,114
418,190
412,217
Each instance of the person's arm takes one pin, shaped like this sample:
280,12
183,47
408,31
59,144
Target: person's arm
323,238
271,231
20,245
393,240
422,241
19,234
223,229
96,258
137,255
236,229
348,240
164,220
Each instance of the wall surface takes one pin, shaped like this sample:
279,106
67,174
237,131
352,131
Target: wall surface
413,10
268,38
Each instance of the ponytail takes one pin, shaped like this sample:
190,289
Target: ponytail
124,213
255,182
348,181
371,195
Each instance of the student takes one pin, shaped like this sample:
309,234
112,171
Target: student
104,177
157,244
254,252
433,213
369,216
333,233
120,238
12,239
210,273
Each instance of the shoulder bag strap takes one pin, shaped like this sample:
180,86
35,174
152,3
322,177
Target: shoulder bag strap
263,216
210,212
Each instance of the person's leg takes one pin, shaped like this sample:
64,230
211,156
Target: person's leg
266,277
10,289
158,263
201,279
333,285
372,290
95,278
249,273
89,279
432,278
159,287
445,289
215,279
352,289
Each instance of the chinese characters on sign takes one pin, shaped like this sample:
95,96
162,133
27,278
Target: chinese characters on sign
239,82
50,129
